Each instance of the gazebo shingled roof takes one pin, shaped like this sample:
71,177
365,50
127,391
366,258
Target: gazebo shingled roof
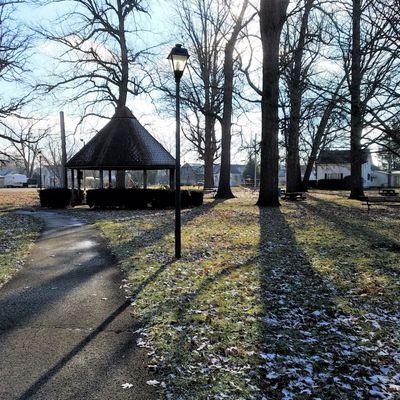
338,157
122,144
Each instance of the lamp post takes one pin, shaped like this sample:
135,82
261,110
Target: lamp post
40,169
178,58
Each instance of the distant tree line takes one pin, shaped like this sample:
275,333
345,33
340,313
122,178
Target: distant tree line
321,73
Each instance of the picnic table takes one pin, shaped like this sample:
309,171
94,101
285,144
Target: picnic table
293,196
370,200
388,192
210,190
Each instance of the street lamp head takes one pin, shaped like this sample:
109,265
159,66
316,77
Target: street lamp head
178,58
40,155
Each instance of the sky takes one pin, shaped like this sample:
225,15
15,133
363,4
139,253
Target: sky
161,29
150,114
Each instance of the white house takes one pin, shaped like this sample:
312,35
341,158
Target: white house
15,180
282,174
50,176
236,174
335,164
395,179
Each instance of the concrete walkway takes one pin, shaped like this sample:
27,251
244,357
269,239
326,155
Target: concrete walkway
65,327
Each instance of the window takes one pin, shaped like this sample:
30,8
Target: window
334,176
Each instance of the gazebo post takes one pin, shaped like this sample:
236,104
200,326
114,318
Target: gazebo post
145,179
101,179
72,187
79,173
120,179
172,179
72,179
109,178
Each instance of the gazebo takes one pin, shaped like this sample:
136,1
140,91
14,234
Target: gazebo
122,145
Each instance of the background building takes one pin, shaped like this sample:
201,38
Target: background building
193,174
335,164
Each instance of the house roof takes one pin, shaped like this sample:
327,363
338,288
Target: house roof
122,144
338,157
8,171
199,168
196,168
235,168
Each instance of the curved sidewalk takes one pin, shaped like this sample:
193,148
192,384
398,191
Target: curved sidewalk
65,327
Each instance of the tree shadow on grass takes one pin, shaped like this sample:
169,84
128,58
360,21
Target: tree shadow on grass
309,347
161,224
373,253
351,220
312,347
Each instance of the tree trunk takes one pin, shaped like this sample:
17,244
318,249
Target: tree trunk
357,191
224,185
272,18
320,134
124,80
209,151
120,179
293,178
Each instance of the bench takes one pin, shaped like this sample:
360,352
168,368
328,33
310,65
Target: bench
370,200
210,190
293,196
388,192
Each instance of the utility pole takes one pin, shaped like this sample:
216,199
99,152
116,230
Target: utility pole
63,152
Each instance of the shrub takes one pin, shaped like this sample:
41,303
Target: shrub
334,184
196,198
78,198
312,184
185,199
141,198
135,198
55,197
104,198
162,198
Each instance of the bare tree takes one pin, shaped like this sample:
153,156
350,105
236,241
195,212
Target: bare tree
326,111
371,63
100,66
15,46
224,188
272,18
29,137
356,112
296,86
204,23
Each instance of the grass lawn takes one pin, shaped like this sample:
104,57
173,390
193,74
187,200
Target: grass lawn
299,302
18,198
17,232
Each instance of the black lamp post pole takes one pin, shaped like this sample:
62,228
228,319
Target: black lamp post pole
178,58
178,173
